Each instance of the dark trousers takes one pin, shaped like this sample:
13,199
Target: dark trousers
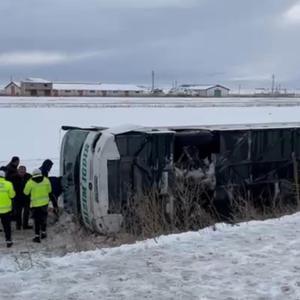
40,215
22,208
6,223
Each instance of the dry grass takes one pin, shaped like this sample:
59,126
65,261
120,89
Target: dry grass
190,206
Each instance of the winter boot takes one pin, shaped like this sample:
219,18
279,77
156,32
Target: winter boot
36,239
43,235
9,244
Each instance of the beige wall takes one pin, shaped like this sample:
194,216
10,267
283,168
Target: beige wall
36,89
39,93
12,90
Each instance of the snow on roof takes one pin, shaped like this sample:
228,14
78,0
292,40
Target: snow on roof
196,87
97,87
121,87
202,87
36,80
17,83
76,86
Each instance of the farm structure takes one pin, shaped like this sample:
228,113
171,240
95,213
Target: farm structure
45,88
36,87
202,90
100,90
13,89
103,167
42,87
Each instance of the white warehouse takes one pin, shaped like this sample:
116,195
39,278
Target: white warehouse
203,90
100,90
42,87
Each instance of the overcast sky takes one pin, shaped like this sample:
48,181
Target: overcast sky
192,41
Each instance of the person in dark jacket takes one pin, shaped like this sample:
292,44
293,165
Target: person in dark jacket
12,168
10,174
46,167
55,183
22,202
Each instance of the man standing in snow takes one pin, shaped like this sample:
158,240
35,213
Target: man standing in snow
46,167
12,168
22,202
39,189
7,192
55,184
10,174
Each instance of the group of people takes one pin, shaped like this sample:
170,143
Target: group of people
22,193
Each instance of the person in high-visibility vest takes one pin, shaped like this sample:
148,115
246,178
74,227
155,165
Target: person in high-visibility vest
7,192
39,188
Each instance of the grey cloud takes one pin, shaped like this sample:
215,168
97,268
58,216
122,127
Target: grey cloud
205,41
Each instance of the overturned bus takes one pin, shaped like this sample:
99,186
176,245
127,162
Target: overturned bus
103,167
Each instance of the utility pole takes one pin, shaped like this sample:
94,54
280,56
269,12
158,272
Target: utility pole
273,84
153,78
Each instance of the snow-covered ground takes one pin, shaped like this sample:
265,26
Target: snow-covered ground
255,260
105,102
258,260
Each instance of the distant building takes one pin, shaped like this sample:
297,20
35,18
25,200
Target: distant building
100,90
203,90
42,87
278,92
36,87
157,92
242,92
2,90
13,89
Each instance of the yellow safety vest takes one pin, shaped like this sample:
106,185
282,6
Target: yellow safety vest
7,192
38,191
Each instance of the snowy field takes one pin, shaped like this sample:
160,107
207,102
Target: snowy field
258,260
255,260
102,102
33,131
